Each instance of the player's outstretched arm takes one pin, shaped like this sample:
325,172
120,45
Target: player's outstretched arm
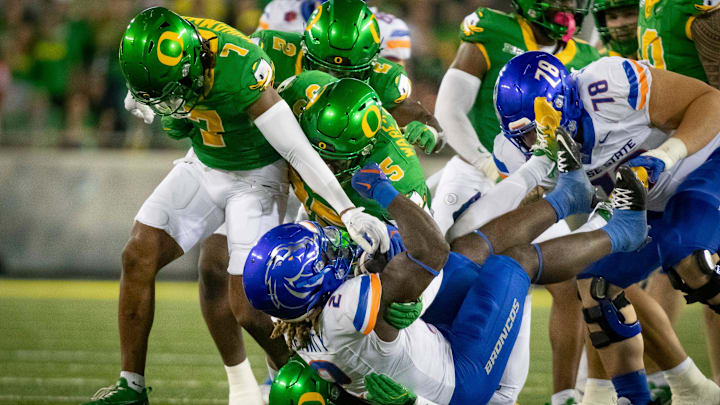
409,273
275,120
456,97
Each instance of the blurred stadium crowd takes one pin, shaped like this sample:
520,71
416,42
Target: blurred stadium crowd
61,86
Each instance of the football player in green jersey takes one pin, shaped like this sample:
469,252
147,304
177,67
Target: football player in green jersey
370,136
211,84
616,21
665,34
682,36
464,108
343,38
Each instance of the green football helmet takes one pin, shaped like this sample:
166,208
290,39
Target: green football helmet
298,383
162,57
341,123
539,12
619,39
343,38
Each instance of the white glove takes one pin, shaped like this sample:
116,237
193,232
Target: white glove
360,224
138,109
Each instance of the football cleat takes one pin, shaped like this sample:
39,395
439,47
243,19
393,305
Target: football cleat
568,152
119,394
629,192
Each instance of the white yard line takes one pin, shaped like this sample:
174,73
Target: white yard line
100,381
62,398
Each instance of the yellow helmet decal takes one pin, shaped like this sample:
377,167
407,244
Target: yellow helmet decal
367,130
166,59
546,117
311,397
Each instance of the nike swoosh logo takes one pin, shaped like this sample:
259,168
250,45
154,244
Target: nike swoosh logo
602,141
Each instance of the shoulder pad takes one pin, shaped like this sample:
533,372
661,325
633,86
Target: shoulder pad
390,82
484,24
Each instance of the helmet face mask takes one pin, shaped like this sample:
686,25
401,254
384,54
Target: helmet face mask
342,38
548,14
161,57
616,21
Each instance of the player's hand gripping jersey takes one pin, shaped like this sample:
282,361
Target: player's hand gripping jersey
387,78
501,37
222,134
664,33
615,127
292,16
391,151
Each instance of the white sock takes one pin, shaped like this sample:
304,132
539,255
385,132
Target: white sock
244,389
684,376
560,398
135,381
658,379
582,374
599,392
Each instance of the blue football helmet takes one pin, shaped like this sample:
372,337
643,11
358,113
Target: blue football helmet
525,85
294,268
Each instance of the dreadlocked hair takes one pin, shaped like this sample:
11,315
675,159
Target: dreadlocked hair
297,334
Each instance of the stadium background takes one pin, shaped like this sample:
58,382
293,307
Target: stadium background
74,169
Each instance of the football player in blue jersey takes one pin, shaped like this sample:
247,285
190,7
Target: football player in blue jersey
666,126
457,352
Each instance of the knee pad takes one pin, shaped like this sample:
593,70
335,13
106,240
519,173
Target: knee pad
607,315
707,291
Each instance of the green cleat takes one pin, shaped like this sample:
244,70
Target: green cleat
119,394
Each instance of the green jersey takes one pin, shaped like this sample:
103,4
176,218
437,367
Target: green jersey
222,133
387,78
665,36
500,37
392,152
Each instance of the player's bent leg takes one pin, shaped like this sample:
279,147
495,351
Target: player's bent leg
712,331
518,365
662,346
147,251
459,183
215,302
566,333
615,332
486,327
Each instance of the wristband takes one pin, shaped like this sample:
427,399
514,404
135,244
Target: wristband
669,152
384,193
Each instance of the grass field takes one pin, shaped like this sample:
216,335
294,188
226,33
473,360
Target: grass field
59,343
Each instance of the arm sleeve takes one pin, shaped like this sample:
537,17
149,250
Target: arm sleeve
503,197
455,98
282,131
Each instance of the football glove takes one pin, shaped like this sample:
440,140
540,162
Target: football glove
382,390
367,231
400,315
647,168
138,109
424,136
371,183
